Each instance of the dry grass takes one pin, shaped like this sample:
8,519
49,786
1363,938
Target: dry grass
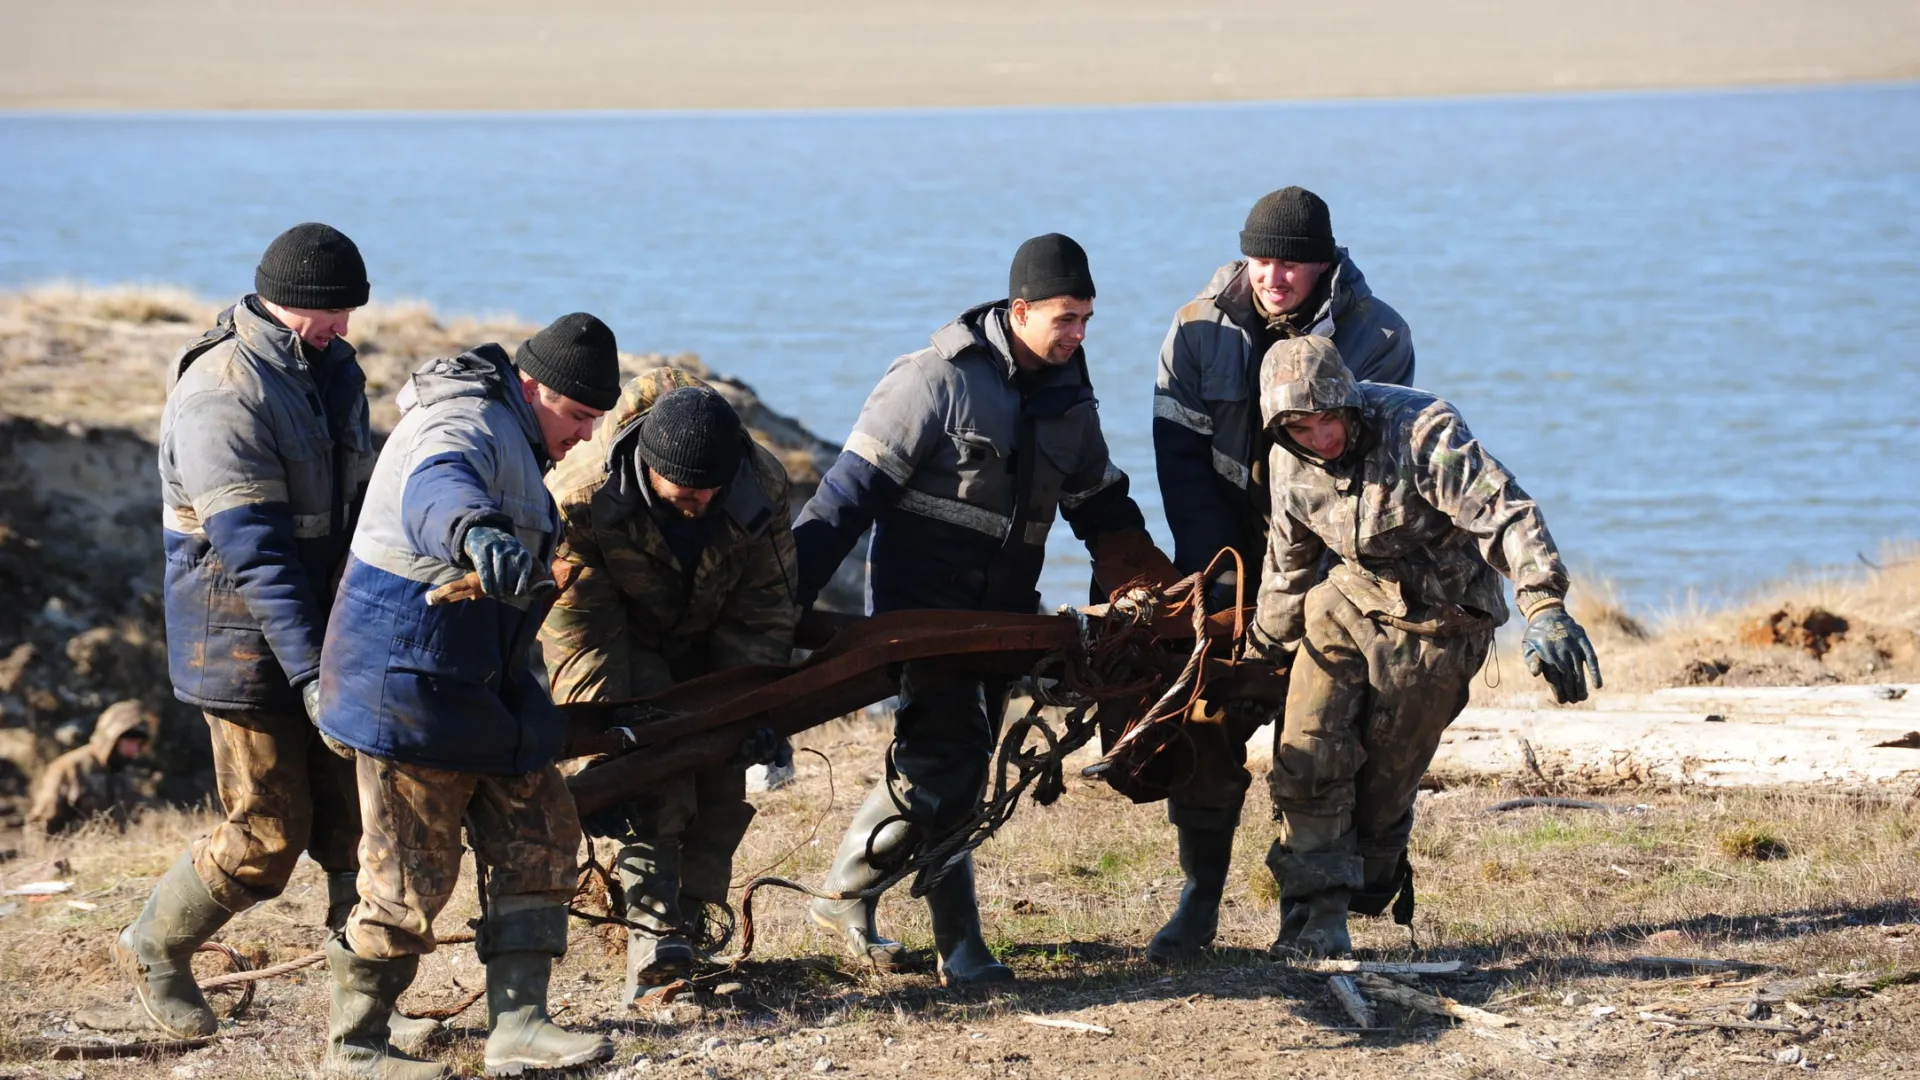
1541,902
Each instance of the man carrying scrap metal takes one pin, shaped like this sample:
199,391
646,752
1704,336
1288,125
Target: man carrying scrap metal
444,703
1417,523
265,450
678,561
959,461
1210,451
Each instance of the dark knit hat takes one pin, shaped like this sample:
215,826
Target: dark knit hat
312,266
692,437
1292,225
575,357
1050,265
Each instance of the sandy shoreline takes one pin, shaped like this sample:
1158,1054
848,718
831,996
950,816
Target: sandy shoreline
749,54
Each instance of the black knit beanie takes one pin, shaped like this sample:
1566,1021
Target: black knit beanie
574,357
1047,266
1292,225
312,266
692,437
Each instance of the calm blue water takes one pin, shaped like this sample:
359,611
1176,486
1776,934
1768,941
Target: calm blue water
1687,322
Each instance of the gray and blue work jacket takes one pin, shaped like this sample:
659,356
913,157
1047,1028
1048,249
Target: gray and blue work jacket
265,450
452,686
959,462
1207,438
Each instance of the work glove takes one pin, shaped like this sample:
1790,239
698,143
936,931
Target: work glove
503,563
765,747
1555,648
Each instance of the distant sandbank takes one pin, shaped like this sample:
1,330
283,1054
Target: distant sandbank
771,54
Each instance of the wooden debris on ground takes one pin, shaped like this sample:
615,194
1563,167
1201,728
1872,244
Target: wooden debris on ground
1727,1025
1692,963
1066,1025
1348,995
1385,989
1379,967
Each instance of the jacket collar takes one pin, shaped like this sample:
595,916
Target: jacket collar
982,330
1231,292
275,344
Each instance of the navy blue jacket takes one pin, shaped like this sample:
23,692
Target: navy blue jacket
932,466
265,449
451,687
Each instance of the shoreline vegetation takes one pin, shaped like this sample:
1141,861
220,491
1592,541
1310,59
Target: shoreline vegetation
767,54
1805,897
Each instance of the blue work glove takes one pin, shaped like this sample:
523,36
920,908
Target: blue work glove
504,564
1555,648
765,747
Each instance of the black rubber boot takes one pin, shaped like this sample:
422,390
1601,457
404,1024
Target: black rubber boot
856,868
1205,856
155,952
1315,890
965,960
363,995
403,1031
650,896
1323,933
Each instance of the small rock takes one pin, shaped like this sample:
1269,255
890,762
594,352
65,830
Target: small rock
1757,1010
713,1042
1574,999
823,1065
1602,1011
728,989
1789,1056
820,1040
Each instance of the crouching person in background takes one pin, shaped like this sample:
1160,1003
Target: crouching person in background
89,781
443,703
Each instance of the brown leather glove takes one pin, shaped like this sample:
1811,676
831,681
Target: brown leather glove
1123,558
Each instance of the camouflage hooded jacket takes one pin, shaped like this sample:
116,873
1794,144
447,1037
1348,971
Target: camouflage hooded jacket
1416,514
632,621
89,780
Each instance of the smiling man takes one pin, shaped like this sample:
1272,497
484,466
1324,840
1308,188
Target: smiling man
1210,450
443,705
959,461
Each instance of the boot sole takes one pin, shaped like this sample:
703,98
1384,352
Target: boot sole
129,966
520,1067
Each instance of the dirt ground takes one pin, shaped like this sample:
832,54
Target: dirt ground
756,54
1820,895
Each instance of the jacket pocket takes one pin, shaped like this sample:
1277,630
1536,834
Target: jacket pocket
1072,441
979,461
1223,376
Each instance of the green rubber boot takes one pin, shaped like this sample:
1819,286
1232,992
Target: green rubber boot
404,1032
659,952
858,864
522,1039
363,995
1205,856
965,961
155,952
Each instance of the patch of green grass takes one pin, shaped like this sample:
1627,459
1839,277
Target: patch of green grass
1752,840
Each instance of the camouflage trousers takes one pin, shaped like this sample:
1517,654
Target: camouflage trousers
283,792
702,815
525,837
1365,710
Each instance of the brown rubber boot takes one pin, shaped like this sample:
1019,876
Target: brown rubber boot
155,952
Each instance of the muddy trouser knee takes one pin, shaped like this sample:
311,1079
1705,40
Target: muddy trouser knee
1365,711
525,835
283,792
1209,797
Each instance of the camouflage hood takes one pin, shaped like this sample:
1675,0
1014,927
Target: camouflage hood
121,718
1306,375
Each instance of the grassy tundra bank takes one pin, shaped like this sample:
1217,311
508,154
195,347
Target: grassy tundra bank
755,54
1815,893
